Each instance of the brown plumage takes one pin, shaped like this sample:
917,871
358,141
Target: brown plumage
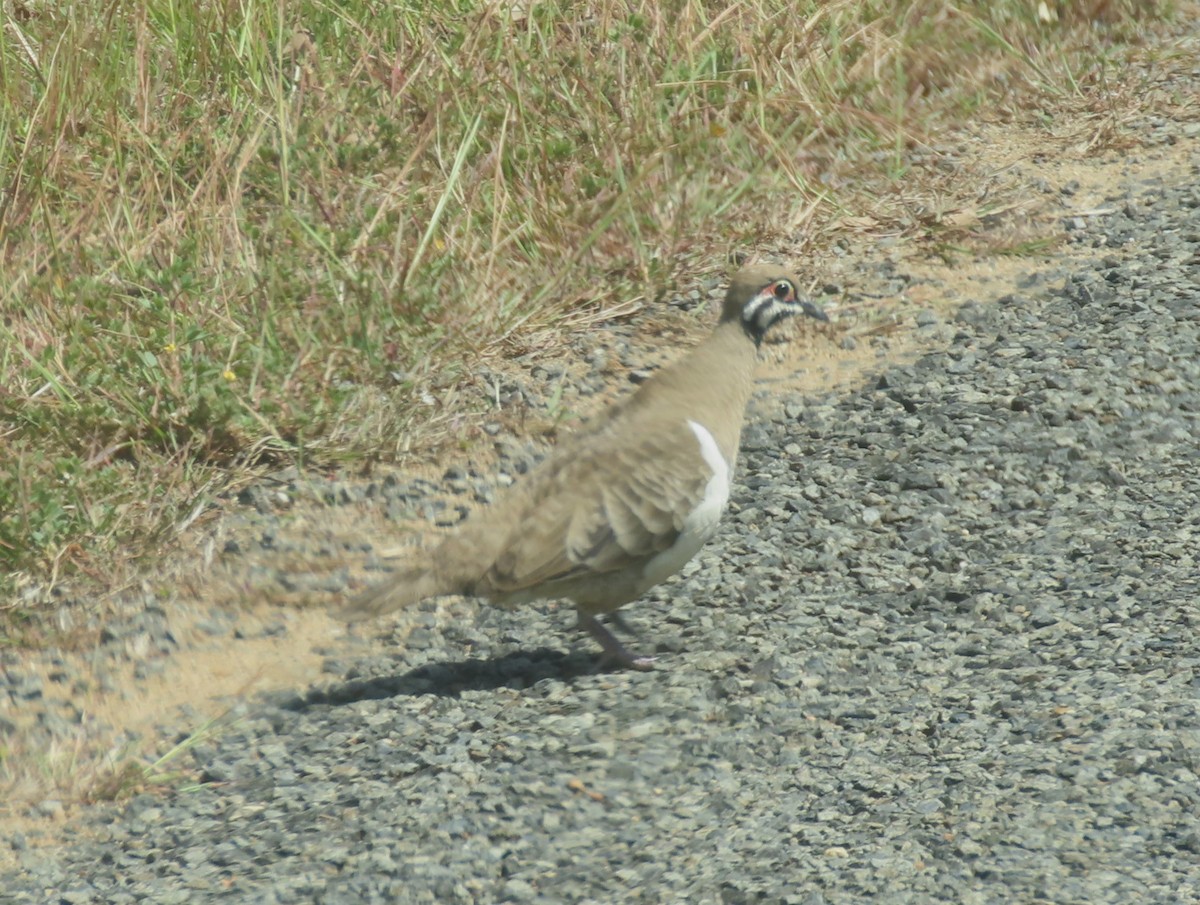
624,503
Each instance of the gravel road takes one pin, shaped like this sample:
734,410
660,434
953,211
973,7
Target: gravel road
944,650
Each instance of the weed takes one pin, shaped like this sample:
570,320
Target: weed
224,227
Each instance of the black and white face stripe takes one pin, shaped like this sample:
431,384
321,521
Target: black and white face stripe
772,304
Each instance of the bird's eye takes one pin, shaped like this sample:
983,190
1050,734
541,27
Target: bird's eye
784,290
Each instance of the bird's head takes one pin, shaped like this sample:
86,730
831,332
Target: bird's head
761,295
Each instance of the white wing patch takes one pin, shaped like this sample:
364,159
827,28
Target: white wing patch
701,522
716,492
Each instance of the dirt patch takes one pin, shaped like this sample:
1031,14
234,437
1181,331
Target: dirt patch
208,679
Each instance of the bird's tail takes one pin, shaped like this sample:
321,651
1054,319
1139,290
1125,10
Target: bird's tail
404,587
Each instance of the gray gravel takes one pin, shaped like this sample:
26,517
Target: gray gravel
943,651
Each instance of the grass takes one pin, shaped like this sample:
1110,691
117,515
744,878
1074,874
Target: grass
239,235
81,767
126,775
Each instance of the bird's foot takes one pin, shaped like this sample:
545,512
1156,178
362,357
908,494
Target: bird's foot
614,650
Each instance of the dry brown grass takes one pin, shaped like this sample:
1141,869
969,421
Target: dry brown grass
237,234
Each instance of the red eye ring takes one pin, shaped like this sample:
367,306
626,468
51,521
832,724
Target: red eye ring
783,290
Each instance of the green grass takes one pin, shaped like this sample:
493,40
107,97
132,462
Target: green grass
233,235
81,767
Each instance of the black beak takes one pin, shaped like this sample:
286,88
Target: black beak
813,311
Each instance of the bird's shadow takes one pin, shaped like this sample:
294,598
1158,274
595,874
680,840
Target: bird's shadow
517,670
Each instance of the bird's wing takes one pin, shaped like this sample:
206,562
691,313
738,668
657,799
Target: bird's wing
572,524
